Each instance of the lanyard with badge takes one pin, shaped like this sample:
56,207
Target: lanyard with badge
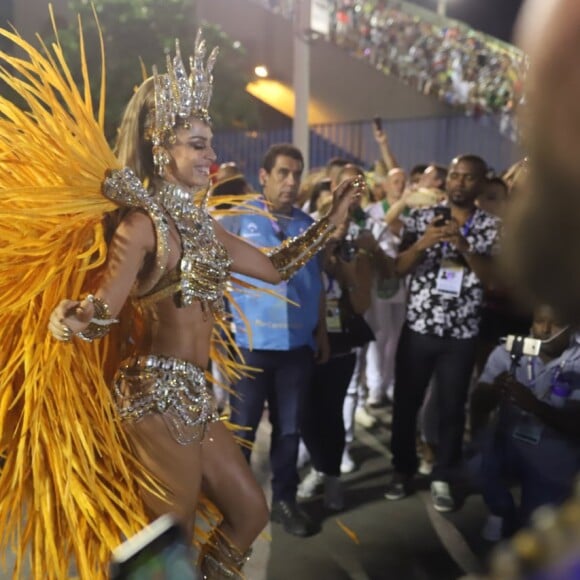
278,231
333,319
449,279
529,429
386,288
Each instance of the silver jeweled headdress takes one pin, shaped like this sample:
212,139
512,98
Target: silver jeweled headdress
180,96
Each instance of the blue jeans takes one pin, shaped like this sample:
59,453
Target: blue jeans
282,382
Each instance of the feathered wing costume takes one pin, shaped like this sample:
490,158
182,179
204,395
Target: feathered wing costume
67,489
69,486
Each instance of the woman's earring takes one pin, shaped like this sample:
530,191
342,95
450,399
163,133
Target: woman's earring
160,159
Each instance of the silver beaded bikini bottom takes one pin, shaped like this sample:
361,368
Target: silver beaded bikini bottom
174,388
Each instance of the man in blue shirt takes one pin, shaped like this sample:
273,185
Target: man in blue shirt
279,336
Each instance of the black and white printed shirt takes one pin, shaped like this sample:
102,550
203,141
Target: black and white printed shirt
428,311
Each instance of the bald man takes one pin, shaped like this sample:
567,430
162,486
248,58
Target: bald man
542,247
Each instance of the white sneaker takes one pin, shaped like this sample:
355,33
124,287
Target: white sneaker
347,464
333,493
391,392
425,467
310,484
303,455
363,418
492,529
376,400
441,496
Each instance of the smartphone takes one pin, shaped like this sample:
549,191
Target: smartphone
378,123
442,215
158,551
523,345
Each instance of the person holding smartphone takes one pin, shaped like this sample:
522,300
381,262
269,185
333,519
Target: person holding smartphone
382,140
447,251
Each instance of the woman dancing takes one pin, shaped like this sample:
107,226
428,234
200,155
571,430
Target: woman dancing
169,255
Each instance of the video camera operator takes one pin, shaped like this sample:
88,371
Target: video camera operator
535,438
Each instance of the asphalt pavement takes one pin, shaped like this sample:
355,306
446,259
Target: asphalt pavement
373,538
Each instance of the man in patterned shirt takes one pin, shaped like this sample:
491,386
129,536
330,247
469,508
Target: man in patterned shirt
447,250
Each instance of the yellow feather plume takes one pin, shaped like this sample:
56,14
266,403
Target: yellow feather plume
68,489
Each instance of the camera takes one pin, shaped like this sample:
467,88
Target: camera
523,345
347,250
519,346
359,216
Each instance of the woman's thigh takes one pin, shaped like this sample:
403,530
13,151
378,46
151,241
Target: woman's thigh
176,466
229,483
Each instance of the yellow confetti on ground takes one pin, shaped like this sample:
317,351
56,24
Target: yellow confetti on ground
352,535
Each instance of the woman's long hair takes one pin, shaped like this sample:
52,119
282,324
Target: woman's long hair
133,149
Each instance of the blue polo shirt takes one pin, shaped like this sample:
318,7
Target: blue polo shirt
274,323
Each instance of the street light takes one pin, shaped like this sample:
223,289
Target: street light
261,71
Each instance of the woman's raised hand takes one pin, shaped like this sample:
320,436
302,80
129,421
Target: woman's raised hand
344,197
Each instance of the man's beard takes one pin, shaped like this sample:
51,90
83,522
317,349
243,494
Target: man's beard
463,202
541,251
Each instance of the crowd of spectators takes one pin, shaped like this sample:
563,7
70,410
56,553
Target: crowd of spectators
462,67
436,305
410,315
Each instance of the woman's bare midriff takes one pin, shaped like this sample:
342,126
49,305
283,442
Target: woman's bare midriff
182,333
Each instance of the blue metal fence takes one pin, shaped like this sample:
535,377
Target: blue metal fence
412,140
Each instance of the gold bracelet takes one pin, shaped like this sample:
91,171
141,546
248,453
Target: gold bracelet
293,253
100,324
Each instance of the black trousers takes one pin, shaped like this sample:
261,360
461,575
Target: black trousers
418,357
323,425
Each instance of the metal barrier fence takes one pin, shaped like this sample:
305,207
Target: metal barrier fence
413,141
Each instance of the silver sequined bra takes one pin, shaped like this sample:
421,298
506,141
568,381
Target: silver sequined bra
175,389
205,265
